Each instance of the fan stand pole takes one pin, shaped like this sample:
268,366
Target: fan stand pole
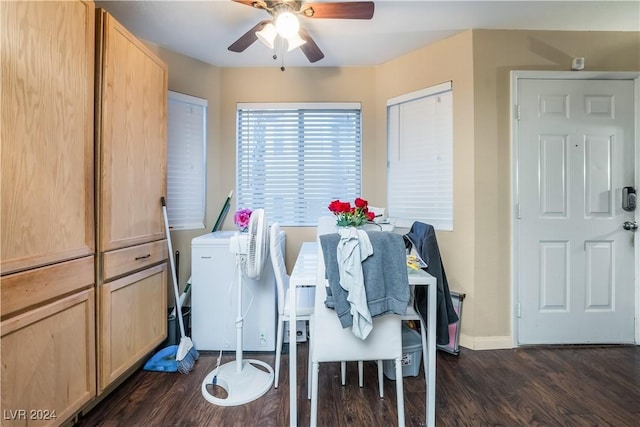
243,380
239,319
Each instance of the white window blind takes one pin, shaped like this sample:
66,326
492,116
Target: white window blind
294,159
420,157
186,161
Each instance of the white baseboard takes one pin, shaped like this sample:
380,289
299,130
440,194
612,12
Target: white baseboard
486,343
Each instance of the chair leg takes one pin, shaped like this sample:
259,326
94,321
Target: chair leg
343,372
380,379
360,372
310,343
400,391
423,338
279,339
314,395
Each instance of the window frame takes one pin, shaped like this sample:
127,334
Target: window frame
428,191
183,198
301,206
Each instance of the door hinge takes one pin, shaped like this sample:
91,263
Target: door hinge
518,310
518,211
516,112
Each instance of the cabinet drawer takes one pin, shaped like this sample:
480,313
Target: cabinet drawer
122,261
29,288
48,360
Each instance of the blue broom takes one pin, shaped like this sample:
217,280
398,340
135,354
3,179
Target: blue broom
187,354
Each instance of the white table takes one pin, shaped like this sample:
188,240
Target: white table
305,274
422,278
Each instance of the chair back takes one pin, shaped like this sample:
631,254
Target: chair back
331,342
279,269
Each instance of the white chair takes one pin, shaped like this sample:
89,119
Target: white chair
326,225
412,314
331,343
304,296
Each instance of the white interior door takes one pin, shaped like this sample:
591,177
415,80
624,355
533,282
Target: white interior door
575,262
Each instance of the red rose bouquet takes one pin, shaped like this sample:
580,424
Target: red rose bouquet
351,216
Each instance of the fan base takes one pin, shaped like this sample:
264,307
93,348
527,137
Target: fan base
242,386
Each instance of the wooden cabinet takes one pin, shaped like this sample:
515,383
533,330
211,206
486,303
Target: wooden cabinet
131,145
47,232
83,107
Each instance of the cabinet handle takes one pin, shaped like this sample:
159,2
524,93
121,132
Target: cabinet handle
143,257
205,257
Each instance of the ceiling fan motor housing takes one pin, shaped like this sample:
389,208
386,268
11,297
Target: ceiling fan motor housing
281,8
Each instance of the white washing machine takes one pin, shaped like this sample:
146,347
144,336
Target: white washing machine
214,296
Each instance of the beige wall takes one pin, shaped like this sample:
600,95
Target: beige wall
477,252
449,60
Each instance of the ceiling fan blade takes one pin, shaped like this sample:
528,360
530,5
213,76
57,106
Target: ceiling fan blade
310,48
339,10
252,3
248,38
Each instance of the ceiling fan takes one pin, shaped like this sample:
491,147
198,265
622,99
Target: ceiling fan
286,25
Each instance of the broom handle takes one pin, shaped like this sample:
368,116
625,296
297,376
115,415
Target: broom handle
176,292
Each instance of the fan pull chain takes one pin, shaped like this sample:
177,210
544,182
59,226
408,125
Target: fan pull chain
279,43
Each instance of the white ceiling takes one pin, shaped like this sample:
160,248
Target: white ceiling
204,29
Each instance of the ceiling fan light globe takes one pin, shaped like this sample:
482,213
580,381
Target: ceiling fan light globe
267,35
295,42
287,24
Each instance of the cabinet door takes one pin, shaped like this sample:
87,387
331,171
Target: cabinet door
47,154
132,114
48,361
133,320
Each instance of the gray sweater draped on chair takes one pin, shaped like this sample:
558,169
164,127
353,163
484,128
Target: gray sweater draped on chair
385,276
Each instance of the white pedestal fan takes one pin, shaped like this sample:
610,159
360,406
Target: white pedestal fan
242,379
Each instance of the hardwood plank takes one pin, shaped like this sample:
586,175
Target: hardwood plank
546,386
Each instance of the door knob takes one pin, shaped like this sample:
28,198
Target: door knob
630,225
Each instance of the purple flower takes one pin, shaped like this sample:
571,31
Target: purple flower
241,217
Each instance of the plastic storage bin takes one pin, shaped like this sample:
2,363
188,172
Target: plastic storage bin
301,331
453,346
411,355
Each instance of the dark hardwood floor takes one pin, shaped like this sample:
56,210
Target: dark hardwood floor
536,386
